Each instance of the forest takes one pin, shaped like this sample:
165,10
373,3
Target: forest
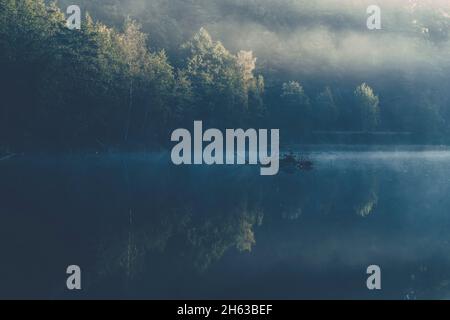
137,70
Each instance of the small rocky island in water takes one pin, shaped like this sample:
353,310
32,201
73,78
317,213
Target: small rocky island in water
290,163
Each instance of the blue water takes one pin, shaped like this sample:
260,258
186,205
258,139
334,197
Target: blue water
140,227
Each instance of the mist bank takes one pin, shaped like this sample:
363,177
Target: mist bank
300,37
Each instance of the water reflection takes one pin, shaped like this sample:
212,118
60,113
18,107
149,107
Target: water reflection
140,227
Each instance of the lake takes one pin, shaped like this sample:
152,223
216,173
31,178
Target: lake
140,227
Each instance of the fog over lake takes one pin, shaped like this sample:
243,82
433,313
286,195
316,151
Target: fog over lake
135,139
143,228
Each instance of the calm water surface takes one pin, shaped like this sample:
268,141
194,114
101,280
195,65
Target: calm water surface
140,227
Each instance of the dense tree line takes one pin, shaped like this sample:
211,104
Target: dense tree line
98,87
104,88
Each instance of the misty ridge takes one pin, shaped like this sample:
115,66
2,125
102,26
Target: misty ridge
138,69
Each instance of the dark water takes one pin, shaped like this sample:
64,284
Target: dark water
141,228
